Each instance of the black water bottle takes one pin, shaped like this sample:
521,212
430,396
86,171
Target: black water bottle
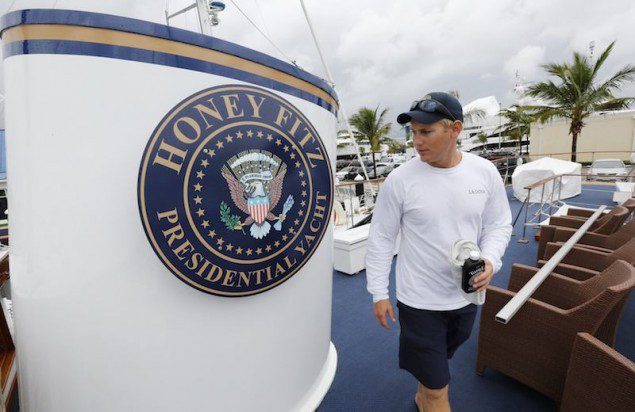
471,268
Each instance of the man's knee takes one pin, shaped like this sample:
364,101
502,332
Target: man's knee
435,394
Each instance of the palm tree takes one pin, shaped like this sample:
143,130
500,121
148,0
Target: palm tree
482,137
395,146
578,93
370,123
518,123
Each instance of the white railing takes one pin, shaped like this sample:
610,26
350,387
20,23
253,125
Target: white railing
509,310
357,198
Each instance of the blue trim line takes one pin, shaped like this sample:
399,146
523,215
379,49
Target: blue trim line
126,24
148,56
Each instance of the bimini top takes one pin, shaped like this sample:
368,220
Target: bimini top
47,31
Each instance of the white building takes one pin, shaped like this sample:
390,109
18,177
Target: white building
605,135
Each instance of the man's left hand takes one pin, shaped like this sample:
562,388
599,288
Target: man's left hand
481,281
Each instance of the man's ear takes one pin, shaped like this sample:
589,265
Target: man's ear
457,127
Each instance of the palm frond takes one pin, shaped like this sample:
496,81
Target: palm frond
602,58
626,74
615,104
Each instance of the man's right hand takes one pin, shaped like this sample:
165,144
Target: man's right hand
382,307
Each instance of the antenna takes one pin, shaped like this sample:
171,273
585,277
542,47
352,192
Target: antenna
519,86
591,48
213,8
207,14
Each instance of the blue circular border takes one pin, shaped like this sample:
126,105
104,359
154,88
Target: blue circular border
150,199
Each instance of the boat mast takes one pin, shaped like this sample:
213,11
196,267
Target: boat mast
342,109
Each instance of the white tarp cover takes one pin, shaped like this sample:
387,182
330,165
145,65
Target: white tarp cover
543,168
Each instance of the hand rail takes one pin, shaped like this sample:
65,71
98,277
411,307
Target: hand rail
550,178
593,152
543,181
509,310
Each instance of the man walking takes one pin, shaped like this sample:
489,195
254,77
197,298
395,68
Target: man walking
435,199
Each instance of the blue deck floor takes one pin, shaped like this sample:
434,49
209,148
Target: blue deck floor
368,377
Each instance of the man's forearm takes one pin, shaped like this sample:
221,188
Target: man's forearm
378,264
493,244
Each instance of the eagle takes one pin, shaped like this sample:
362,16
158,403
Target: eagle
241,195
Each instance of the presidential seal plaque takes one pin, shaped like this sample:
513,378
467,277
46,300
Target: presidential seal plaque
235,190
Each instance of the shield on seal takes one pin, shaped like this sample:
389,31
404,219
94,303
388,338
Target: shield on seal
258,208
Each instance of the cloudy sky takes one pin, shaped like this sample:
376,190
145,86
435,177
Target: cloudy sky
388,53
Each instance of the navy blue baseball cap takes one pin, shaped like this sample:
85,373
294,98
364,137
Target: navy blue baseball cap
433,107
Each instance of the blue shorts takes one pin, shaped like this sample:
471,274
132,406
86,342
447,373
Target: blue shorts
429,338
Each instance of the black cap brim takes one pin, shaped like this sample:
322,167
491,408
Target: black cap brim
419,116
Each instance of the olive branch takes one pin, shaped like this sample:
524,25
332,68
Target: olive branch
227,218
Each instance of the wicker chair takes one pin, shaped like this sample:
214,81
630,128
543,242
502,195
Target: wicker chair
535,346
582,263
630,205
605,225
596,241
578,292
585,213
598,379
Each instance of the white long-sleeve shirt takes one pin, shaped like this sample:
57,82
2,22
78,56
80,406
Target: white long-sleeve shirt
433,208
